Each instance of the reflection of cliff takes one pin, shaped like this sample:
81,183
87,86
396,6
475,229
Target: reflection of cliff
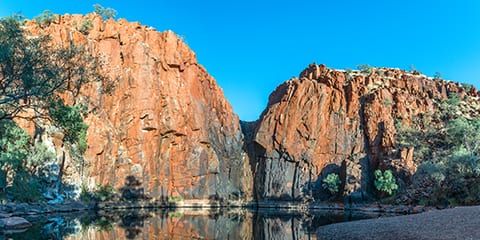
172,225
211,225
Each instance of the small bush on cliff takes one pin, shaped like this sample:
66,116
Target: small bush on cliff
46,18
332,183
86,26
437,76
365,68
105,13
385,182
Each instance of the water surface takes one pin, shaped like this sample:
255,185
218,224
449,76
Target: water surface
184,224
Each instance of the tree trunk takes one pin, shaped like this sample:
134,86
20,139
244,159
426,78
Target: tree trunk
60,171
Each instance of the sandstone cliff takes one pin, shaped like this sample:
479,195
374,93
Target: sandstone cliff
336,121
166,130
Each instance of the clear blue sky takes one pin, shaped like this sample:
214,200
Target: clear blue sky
251,46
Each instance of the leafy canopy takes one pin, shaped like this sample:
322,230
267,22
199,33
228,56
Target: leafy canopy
385,181
332,183
33,72
104,12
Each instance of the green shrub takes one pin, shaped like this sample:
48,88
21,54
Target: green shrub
175,199
14,146
101,193
414,70
175,214
23,166
37,159
46,18
467,86
104,193
25,188
105,13
387,102
332,183
365,68
385,182
85,194
86,26
70,120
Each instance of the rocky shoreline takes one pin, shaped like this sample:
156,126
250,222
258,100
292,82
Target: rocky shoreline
451,224
12,216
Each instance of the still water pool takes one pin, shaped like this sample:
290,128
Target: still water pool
184,224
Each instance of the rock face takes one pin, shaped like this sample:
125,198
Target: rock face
166,129
335,121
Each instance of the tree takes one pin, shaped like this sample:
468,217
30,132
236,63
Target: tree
46,18
35,77
33,72
332,183
385,182
105,13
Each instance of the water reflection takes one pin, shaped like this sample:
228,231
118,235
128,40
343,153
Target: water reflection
184,224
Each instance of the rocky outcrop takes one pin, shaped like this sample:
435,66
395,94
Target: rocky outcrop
167,131
337,121
166,127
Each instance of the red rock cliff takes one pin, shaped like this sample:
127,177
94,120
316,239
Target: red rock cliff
166,129
328,120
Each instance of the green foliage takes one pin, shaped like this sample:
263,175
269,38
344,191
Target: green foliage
365,68
467,86
385,182
101,193
387,102
105,13
38,156
414,70
447,149
14,146
175,214
34,71
25,188
46,18
22,165
332,183
86,26
104,193
70,120
175,199
437,76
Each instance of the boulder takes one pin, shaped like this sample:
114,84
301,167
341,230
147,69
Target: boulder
14,223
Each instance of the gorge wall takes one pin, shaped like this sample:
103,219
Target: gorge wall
167,129
339,121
